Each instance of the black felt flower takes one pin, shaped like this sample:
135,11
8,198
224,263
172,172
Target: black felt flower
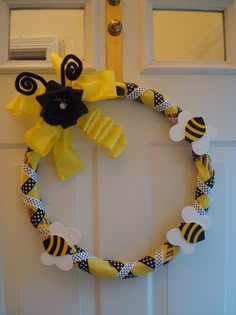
61,105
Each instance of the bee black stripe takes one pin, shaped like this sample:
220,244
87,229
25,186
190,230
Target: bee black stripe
194,232
191,124
188,230
62,243
54,245
46,243
192,133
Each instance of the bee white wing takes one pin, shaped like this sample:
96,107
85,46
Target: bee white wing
190,214
183,117
174,237
56,228
64,263
71,235
176,133
201,146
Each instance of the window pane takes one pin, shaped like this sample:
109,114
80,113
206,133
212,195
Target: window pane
30,27
188,35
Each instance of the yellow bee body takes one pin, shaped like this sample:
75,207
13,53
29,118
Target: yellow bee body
192,232
56,245
195,129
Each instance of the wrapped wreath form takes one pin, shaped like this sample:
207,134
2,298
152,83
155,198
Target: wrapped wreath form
62,105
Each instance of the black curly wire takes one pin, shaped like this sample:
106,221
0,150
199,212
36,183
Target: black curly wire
70,70
26,83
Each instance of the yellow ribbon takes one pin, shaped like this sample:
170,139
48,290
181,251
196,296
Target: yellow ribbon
97,85
25,105
44,138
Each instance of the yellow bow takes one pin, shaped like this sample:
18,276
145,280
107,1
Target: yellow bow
97,85
44,138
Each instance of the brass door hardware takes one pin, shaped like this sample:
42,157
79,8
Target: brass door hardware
113,2
115,27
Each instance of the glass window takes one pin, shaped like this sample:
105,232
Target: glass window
35,31
188,35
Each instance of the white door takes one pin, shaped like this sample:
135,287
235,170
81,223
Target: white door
124,207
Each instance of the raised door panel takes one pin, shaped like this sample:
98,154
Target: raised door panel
204,282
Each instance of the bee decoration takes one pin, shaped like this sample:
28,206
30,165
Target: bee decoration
190,231
194,131
60,245
56,245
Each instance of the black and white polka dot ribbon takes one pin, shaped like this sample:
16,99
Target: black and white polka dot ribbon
29,172
163,106
159,259
204,188
125,270
135,94
199,209
78,257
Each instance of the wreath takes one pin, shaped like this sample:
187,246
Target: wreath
58,107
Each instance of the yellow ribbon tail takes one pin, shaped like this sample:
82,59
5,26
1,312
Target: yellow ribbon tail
66,160
42,137
103,130
23,104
